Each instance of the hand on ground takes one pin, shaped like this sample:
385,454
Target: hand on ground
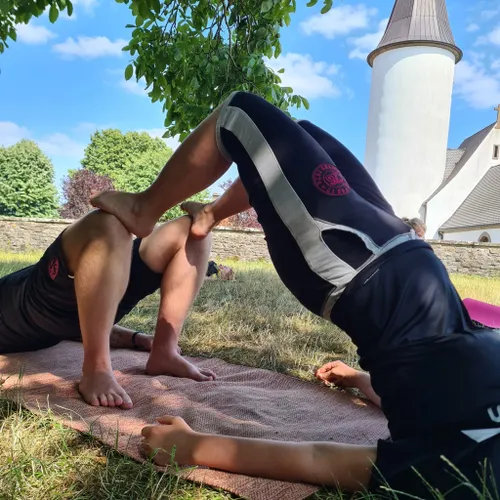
159,441
338,373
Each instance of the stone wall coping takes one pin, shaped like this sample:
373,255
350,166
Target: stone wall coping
70,221
470,244
252,231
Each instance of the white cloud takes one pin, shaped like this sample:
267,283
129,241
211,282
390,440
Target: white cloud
307,77
493,37
88,127
61,145
52,145
32,34
339,21
10,133
472,27
476,85
488,14
172,142
87,5
363,45
133,86
90,47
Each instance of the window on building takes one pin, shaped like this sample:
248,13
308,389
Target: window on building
496,152
484,238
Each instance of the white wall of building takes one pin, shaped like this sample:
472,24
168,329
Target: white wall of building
408,123
445,203
473,235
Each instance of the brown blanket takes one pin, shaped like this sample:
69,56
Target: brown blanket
241,402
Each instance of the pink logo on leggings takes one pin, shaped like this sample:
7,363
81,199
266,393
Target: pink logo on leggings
328,179
53,268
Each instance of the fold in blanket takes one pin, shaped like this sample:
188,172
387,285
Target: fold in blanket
243,401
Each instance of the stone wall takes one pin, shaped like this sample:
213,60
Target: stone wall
27,235
22,235
482,259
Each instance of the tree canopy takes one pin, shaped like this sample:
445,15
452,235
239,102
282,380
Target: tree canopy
191,54
131,160
77,189
26,182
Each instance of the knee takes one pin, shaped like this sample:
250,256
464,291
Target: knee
199,246
107,227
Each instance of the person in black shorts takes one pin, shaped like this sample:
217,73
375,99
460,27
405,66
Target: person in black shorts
338,246
88,280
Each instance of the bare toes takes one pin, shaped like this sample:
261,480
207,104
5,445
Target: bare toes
126,403
208,373
103,400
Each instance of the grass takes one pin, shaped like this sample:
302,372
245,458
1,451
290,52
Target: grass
253,321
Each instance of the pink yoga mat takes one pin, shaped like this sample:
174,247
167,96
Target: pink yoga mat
243,401
484,313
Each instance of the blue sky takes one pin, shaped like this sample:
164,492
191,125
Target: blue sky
60,82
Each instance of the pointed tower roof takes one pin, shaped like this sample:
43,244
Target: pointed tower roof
417,22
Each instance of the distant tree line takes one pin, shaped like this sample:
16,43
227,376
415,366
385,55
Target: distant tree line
112,160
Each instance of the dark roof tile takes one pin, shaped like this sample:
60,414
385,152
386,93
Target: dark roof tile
482,207
417,22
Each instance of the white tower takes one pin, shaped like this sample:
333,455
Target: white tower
410,101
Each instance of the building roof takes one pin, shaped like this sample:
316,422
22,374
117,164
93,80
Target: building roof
418,22
481,208
452,158
469,147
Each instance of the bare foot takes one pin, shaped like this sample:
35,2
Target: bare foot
340,374
203,217
127,208
176,366
102,389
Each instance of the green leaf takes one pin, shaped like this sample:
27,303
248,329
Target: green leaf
277,50
69,7
327,6
282,70
305,102
311,3
13,34
266,6
129,71
53,13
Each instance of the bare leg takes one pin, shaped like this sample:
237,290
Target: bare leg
183,262
98,252
341,375
194,166
121,338
206,216
327,464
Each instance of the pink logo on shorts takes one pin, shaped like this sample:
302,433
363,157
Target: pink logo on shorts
328,179
53,268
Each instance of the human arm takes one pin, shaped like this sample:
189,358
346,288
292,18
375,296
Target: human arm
328,464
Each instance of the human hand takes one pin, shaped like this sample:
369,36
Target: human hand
171,441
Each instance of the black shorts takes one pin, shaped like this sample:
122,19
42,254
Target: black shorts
339,248
446,463
323,216
38,306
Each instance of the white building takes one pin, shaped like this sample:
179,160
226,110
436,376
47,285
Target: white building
455,191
